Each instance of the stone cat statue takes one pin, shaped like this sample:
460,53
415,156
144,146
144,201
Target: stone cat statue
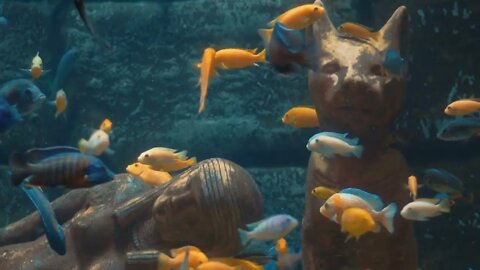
353,94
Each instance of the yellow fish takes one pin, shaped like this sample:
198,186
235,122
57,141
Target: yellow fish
207,71
238,58
195,258
356,222
281,246
296,18
242,264
148,175
413,186
301,117
60,102
323,193
36,68
463,107
166,159
212,265
358,31
106,125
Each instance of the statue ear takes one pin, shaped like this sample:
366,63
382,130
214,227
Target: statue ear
394,33
323,27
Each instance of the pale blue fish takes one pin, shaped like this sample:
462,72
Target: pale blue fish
374,200
271,228
53,230
459,129
64,69
292,39
393,62
331,143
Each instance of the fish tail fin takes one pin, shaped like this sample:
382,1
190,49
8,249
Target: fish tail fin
262,56
244,237
444,206
192,160
387,215
201,108
266,35
182,154
82,145
358,151
19,167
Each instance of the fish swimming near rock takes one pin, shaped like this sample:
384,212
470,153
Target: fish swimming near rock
301,117
148,175
58,166
459,129
331,143
64,68
463,107
359,31
412,186
23,94
36,68
188,255
53,231
166,159
421,210
271,228
207,71
80,6
106,125
234,58
323,192
9,115
60,102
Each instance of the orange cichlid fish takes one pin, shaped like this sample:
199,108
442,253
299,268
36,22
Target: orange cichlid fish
148,175
207,71
301,117
98,143
281,246
212,265
413,186
36,68
358,31
166,159
195,258
356,222
463,107
323,193
238,58
106,125
296,18
60,102
242,264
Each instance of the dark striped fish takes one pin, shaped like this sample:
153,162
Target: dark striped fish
58,166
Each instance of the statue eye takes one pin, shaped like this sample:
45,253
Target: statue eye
377,70
331,67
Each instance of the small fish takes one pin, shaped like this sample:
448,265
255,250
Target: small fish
106,125
24,94
271,228
166,159
65,68
53,230
60,102
98,143
193,255
393,62
357,222
421,210
331,143
459,129
358,31
442,181
413,186
148,175
285,259
9,115
281,246
238,58
301,117
299,17
36,68
212,265
207,71
463,107
323,193
357,198
80,6
240,263
58,166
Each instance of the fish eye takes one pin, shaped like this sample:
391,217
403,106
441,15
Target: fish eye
331,67
316,140
315,9
377,70
449,108
146,155
136,165
327,205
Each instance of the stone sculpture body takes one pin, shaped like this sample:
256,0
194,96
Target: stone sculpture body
353,94
203,207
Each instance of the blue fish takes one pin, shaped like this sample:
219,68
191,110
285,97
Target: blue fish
393,62
53,230
374,200
459,129
442,181
58,166
292,39
24,94
8,115
331,143
64,68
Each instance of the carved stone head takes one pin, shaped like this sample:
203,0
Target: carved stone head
350,89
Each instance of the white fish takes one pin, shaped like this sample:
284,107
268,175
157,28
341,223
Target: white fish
98,142
421,210
331,143
271,228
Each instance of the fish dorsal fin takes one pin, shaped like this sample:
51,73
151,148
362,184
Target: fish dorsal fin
166,149
374,200
37,154
341,136
177,251
427,200
253,225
